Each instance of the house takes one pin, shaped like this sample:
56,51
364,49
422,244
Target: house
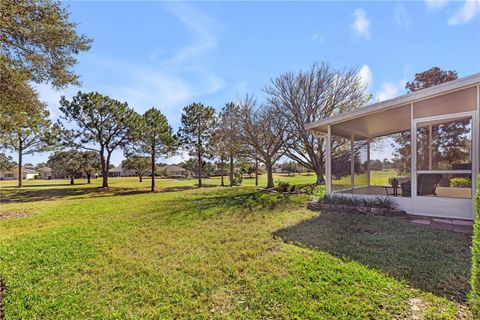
27,174
45,173
173,171
438,128
115,172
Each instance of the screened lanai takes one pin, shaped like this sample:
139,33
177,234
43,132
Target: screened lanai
421,149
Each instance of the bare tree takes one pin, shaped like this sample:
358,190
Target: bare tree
307,96
264,134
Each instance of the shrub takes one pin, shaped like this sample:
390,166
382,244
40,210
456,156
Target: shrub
378,202
475,277
460,182
283,186
237,178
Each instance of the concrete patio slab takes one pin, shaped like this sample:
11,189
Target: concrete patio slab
462,223
421,221
445,221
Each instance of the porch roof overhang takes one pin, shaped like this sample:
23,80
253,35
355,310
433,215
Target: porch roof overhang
385,117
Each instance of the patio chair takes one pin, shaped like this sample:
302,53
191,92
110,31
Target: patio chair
427,183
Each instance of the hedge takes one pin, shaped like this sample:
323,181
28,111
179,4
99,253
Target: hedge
475,280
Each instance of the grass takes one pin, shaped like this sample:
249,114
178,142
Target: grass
377,178
205,253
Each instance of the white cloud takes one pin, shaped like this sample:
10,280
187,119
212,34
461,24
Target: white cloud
467,12
366,75
402,17
391,90
361,24
318,37
433,5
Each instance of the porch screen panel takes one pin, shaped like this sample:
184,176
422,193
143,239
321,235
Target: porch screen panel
390,164
360,163
341,164
444,158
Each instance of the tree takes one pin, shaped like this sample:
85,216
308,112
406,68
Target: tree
429,78
141,165
91,163
68,163
37,37
263,133
154,137
101,124
28,165
402,141
6,163
24,124
307,96
228,127
290,167
198,125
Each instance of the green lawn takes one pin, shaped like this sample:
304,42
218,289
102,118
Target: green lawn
188,253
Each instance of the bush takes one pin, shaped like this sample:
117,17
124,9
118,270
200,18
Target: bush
283,186
460,183
475,280
237,178
378,202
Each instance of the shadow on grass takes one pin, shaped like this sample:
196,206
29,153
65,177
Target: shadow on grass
431,260
32,195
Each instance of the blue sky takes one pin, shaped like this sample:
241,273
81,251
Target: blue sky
169,54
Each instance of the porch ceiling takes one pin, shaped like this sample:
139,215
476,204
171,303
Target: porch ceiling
373,125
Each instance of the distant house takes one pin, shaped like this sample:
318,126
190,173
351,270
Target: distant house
45,173
116,172
173,171
27,174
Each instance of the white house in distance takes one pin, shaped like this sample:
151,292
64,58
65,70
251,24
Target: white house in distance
173,171
437,131
27,174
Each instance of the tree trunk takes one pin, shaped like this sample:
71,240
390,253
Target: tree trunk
152,187
106,169
140,179
231,172
71,180
88,177
256,172
199,170
221,172
20,178
269,168
320,178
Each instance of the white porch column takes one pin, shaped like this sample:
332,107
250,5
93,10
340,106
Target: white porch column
352,161
328,162
368,162
413,156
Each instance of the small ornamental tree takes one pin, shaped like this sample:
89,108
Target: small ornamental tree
100,123
264,133
67,163
154,137
227,129
141,165
198,126
91,163
24,125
